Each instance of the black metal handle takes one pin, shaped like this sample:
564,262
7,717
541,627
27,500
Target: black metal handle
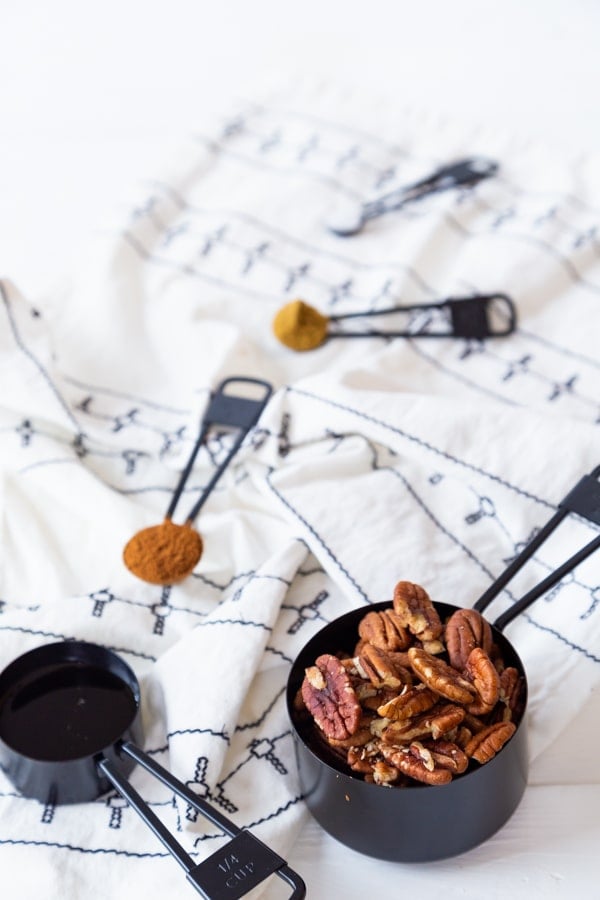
230,872
470,318
227,410
584,500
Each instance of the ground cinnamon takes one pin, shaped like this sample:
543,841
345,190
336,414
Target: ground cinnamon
300,326
163,554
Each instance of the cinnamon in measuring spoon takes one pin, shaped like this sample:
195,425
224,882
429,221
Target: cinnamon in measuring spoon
168,553
165,553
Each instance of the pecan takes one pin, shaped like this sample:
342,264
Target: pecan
384,630
379,697
368,762
510,701
462,736
360,737
447,755
465,630
417,762
362,759
440,677
330,698
383,773
439,720
433,647
378,667
411,702
489,741
482,672
474,724
416,611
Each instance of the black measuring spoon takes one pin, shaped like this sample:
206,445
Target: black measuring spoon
167,553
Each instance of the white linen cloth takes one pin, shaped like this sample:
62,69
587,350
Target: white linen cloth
427,460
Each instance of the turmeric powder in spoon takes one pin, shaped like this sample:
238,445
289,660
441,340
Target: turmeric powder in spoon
302,327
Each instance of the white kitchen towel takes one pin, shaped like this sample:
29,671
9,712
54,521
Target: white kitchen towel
375,460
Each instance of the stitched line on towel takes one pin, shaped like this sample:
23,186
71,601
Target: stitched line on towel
394,150
422,443
194,273
33,359
64,637
121,395
235,622
457,376
397,150
451,221
263,716
322,284
292,240
180,731
277,812
92,850
310,528
561,638
360,265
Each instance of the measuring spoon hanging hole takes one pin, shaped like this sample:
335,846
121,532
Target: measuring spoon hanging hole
167,553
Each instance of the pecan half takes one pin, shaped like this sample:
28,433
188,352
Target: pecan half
441,677
416,611
384,630
379,668
465,630
510,702
484,745
330,698
417,762
435,722
411,702
481,671
447,755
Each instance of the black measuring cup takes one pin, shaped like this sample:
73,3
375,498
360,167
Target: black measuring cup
422,823
69,722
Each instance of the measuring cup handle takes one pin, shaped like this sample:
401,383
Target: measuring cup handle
232,870
583,499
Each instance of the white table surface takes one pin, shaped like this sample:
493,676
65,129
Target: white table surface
94,97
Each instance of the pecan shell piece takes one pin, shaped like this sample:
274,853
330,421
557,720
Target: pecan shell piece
484,745
440,677
465,630
384,630
481,671
415,611
330,698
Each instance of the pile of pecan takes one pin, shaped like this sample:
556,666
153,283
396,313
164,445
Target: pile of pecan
418,699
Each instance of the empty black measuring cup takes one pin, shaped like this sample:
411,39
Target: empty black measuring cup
69,723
